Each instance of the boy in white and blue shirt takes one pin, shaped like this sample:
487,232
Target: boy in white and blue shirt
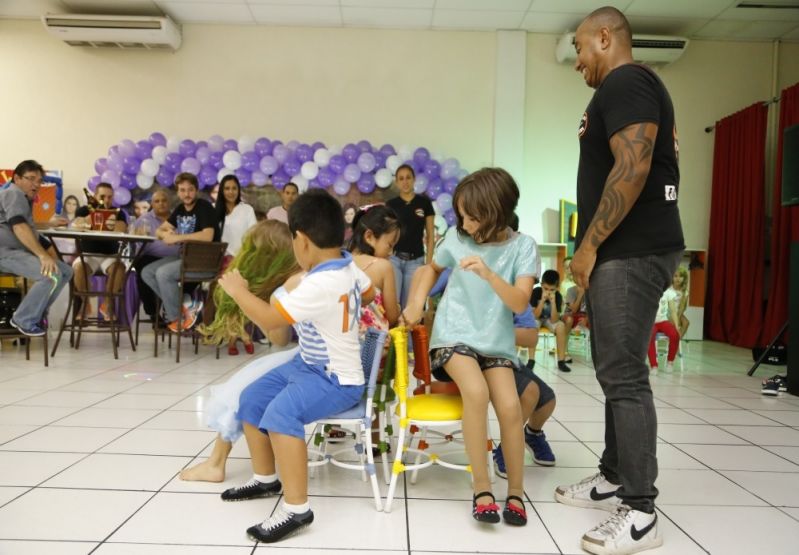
324,378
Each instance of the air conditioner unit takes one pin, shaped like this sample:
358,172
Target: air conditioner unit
647,49
114,31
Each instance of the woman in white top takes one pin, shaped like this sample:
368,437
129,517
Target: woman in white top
235,217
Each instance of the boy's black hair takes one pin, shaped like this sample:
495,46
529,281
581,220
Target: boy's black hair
319,216
551,277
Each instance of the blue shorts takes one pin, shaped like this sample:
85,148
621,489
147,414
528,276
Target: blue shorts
294,394
524,377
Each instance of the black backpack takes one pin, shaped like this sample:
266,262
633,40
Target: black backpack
9,301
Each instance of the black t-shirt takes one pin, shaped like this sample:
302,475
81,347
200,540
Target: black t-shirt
100,247
546,311
631,94
202,216
412,217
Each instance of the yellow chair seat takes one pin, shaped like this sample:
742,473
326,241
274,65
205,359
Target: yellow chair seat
435,407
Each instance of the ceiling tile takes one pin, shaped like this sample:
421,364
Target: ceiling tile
208,12
388,3
30,9
543,22
665,25
792,35
199,2
679,8
761,14
583,7
302,16
295,2
127,7
492,5
764,30
720,29
477,19
387,17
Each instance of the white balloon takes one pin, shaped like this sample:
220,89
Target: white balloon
246,144
405,153
334,149
222,173
383,178
232,160
321,157
309,170
144,181
300,182
159,154
392,163
149,168
173,144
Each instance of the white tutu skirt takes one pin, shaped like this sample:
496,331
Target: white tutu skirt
222,409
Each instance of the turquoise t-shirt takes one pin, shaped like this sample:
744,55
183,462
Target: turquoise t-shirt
470,312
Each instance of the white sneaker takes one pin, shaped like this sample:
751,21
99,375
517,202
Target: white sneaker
669,367
595,492
625,531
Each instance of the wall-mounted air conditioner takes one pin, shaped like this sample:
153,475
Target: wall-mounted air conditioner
114,31
648,49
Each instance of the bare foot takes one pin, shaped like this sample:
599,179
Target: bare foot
203,472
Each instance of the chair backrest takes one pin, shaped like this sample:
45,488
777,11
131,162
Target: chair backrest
421,354
202,257
371,353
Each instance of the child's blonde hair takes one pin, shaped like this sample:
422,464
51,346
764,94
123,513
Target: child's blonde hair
682,271
489,196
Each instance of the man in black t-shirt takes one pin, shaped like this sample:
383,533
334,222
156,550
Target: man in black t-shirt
193,220
629,242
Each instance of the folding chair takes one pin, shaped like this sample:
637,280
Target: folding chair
358,417
200,261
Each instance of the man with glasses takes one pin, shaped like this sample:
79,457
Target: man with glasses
25,253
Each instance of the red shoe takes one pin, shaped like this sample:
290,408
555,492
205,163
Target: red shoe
232,350
250,348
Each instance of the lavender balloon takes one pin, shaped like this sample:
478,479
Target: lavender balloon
100,165
191,165
114,163
450,217
366,162
351,153
172,163
279,179
365,146
292,166
281,153
341,186
130,165
263,147
216,143
217,160
187,148
337,164
366,183
158,139
203,154
421,156
259,179
434,189
269,165
127,181
387,150
450,185
144,149
165,177
326,177
432,169
231,144
352,173
304,153
420,185
250,161
121,196
93,182
245,177
112,177
127,148
208,175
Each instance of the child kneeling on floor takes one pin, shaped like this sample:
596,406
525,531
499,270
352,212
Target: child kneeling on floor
324,378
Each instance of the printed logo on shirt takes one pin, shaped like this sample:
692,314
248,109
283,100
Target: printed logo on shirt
583,125
671,192
676,144
186,224
419,213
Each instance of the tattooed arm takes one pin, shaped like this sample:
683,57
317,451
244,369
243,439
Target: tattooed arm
632,148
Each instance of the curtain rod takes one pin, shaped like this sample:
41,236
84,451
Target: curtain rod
710,128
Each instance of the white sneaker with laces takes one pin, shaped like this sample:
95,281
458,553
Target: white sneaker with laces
625,531
595,492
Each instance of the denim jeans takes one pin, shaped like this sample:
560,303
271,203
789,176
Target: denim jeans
403,274
163,277
622,298
23,263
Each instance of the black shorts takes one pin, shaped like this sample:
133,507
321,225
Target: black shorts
524,377
439,357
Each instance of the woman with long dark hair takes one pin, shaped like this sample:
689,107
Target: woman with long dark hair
235,217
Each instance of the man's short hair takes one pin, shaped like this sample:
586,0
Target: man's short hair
104,184
188,178
28,166
551,277
319,216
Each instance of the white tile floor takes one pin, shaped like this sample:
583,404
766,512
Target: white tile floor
90,449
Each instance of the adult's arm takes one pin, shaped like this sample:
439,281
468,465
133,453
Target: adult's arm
429,238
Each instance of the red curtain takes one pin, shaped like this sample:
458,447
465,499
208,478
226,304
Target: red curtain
784,228
734,303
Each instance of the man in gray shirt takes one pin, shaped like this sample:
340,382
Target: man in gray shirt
24,253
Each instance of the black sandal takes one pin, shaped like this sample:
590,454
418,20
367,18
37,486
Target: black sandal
512,514
487,512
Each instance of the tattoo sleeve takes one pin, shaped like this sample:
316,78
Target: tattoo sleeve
632,148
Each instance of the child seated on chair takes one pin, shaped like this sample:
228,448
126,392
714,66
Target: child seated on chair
574,313
536,397
325,377
667,322
547,304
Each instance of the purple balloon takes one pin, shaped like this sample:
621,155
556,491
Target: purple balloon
434,188
250,161
352,173
187,148
351,153
112,177
450,185
269,165
158,139
380,159
341,186
421,156
364,146
245,177
366,183
326,177
230,144
432,169
203,154
208,175
279,179
203,144
314,184
263,147
127,147
259,178
215,160
173,160
450,217
387,150
131,165
143,150
304,153
292,166
191,165
165,178
127,181
337,164
114,163
93,182
121,197
101,165
281,153
113,150
317,145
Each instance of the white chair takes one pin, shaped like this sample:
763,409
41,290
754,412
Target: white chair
662,347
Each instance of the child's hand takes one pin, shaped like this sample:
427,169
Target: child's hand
409,317
233,282
475,264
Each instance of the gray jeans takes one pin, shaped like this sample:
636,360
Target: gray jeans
44,291
622,301
163,277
